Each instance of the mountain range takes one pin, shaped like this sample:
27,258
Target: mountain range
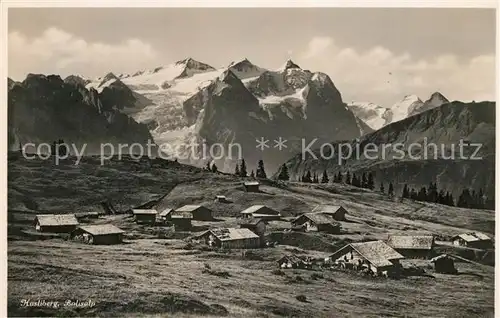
43,109
190,101
376,116
445,126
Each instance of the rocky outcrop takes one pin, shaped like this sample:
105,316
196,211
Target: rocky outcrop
46,108
445,126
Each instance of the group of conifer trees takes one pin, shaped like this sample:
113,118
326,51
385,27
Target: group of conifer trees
241,170
467,199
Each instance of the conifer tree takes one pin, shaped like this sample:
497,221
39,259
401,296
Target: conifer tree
324,177
348,178
355,181
422,194
481,201
382,189
243,168
237,170
308,177
370,182
406,192
432,194
464,200
441,197
413,194
364,181
451,200
261,172
283,175
390,192
252,174
214,168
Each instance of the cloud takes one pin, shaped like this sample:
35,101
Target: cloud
58,52
381,76
317,46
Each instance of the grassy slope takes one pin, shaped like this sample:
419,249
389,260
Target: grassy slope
154,275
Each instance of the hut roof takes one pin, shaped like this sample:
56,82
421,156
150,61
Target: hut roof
144,211
220,197
317,218
376,252
260,208
84,214
481,236
326,208
231,234
292,258
181,215
57,219
437,258
411,242
189,208
101,229
473,237
165,212
251,183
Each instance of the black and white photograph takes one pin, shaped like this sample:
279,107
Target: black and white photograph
249,161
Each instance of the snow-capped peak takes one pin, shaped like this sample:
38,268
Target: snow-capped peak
107,79
374,115
402,109
411,98
437,99
289,64
244,69
244,61
192,64
185,61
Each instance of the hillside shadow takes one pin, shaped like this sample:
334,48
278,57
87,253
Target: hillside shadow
481,277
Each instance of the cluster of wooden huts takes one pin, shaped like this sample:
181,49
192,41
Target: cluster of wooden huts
374,257
69,224
180,218
382,258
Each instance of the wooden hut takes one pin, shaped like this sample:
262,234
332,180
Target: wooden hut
337,212
166,214
56,223
102,234
230,238
444,264
143,216
474,240
181,220
316,222
87,215
258,226
375,256
412,246
261,212
251,186
294,261
199,212
221,199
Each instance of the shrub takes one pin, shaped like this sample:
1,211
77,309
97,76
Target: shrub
278,272
301,298
316,276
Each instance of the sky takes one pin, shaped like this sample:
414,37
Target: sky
372,55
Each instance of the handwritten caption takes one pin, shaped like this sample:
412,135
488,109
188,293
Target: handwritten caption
69,303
